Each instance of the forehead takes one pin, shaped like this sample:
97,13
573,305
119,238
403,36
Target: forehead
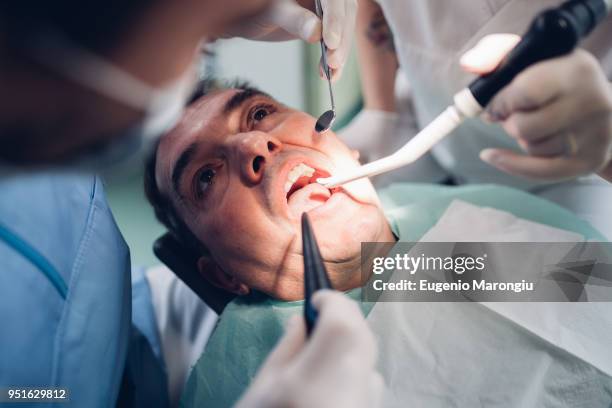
204,120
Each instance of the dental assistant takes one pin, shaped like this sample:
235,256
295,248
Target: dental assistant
549,132
86,89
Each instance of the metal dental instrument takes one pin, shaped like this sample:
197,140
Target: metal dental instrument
326,120
315,274
553,33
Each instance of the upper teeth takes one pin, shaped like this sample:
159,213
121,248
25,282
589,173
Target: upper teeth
298,171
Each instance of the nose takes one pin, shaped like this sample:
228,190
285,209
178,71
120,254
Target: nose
255,151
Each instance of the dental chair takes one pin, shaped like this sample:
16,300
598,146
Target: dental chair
182,262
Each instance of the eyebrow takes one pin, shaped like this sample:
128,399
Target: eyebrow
185,157
241,97
180,166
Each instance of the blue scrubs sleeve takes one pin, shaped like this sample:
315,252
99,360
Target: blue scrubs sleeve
64,288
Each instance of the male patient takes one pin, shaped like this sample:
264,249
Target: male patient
231,181
234,178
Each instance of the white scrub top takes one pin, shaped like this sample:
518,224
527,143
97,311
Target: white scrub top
430,37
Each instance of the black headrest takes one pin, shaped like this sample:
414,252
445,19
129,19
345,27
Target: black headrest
183,263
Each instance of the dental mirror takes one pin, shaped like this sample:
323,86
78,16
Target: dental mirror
326,120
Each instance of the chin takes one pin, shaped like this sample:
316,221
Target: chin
340,238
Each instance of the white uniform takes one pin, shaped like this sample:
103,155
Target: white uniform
430,37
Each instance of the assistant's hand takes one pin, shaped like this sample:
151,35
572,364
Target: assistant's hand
334,368
373,133
559,111
287,19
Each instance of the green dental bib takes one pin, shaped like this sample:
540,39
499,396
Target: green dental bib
249,327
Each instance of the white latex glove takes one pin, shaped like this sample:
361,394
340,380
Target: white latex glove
286,20
373,133
559,111
334,368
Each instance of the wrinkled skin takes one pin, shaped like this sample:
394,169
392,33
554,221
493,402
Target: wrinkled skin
242,214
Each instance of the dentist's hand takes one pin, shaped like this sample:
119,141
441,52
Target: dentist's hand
287,19
559,111
334,368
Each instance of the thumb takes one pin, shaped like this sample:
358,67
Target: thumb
296,20
488,53
557,168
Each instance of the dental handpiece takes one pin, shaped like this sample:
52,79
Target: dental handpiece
553,33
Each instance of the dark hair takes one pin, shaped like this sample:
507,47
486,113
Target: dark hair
163,207
95,24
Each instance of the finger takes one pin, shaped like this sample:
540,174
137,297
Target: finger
334,14
296,20
337,58
538,168
556,145
488,53
340,329
289,345
537,86
334,74
533,126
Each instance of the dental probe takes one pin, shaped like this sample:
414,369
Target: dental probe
553,33
315,274
326,120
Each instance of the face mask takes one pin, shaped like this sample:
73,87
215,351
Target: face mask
162,107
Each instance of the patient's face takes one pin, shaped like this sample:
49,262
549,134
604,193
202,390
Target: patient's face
240,169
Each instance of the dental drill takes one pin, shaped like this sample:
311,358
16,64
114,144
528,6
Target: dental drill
553,33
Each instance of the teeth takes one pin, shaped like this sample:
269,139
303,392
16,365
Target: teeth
298,171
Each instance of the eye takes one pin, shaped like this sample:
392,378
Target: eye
260,112
204,181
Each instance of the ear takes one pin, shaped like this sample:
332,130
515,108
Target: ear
210,271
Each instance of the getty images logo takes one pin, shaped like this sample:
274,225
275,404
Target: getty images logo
459,263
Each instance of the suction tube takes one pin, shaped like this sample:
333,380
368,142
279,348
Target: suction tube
553,33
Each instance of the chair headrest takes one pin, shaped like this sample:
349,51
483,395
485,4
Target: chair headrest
183,263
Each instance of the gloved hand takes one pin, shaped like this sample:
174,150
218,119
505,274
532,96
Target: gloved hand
373,133
334,368
559,111
286,20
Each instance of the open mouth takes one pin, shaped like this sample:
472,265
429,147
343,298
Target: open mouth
301,176
302,191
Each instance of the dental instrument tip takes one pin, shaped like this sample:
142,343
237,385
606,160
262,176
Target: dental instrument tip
324,181
325,121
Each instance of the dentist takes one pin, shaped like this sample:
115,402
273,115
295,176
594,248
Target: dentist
84,85
549,132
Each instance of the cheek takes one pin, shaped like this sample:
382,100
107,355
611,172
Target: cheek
241,235
232,226
298,129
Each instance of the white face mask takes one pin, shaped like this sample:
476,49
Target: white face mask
162,107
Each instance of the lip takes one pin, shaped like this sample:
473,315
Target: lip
278,188
336,200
